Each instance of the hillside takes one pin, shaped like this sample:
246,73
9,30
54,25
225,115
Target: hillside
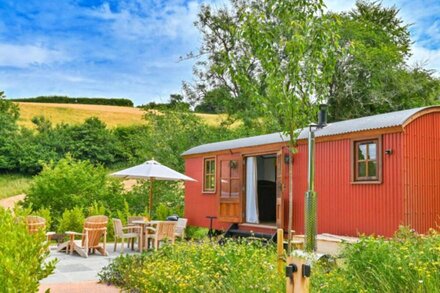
77,113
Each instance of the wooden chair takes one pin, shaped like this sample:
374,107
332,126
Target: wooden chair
180,228
164,231
35,224
130,220
95,228
133,233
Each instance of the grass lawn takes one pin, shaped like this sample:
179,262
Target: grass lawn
76,113
13,184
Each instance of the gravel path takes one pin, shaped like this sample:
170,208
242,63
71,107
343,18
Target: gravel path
10,201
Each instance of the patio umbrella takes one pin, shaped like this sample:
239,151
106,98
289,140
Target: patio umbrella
151,170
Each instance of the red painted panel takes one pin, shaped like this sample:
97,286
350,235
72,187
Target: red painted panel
422,172
199,205
345,208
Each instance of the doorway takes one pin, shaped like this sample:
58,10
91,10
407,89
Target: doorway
261,189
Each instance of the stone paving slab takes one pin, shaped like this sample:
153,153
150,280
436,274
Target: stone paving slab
72,269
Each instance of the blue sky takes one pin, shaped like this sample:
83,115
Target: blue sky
131,48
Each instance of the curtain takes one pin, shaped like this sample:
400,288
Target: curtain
251,190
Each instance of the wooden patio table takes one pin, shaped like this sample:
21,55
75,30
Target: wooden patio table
143,225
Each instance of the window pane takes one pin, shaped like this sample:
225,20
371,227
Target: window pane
372,169
213,167
362,170
362,151
212,182
372,151
209,175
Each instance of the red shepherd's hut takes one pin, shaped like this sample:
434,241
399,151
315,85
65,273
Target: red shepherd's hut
372,175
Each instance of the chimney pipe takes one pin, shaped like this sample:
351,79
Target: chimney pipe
322,116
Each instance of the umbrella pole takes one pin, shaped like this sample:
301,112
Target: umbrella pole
151,196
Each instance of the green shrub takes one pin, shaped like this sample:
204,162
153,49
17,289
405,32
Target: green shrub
22,256
45,213
162,212
71,183
71,220
196,233
406,263
199,267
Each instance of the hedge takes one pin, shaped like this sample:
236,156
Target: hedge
73,100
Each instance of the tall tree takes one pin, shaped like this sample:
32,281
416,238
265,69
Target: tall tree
275,57
372,76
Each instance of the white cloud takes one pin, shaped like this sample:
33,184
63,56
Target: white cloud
140,19
429,58
23,56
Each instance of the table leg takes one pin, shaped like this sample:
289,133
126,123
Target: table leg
141,239
72,237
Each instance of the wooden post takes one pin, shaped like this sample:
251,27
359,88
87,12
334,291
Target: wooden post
298,284
289,232
280,250
151,196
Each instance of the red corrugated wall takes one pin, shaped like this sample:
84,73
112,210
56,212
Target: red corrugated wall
422,172
199,205
345,208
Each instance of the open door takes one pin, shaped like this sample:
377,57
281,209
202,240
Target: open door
281,169
231,189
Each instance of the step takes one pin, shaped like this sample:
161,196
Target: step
244,233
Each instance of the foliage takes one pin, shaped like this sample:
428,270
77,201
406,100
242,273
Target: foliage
172,133
74,100
92,141
135,141
22,256
71,183
371,77
407,263
9,114
215,101
162,212
176,103
196,233
252,50
275,57
198,267
71,220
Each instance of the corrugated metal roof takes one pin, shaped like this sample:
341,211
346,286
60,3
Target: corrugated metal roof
237,143
354,125
365,123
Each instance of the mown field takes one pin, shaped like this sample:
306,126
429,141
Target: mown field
72,113
13,184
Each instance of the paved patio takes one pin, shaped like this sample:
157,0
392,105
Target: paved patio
73,272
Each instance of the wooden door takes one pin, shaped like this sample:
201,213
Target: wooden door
280,174
231,189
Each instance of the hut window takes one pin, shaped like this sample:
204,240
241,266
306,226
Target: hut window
209,175
366,160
